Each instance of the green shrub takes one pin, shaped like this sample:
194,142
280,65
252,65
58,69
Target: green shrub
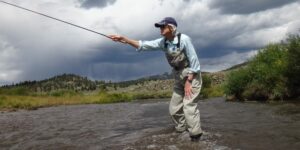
142,96
2,98
20,91
265,77
267,69
236,82
151,95
206,81
105,97
254,91
61,93
120,97
212,91
293,64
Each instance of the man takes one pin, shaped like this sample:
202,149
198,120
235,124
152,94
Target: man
181,55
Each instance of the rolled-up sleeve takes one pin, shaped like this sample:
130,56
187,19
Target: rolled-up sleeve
192,55
150,45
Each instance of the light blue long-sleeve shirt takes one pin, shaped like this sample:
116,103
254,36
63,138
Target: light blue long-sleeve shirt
185,43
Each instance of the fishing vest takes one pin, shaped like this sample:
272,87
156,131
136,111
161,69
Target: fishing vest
177,58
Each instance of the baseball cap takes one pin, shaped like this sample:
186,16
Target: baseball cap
165,21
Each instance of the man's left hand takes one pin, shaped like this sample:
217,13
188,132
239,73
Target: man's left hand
188,89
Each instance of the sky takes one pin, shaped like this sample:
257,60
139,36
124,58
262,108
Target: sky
224,33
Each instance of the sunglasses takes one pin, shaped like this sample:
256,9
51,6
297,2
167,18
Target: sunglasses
162,27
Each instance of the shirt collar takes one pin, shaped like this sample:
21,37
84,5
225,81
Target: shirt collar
175,41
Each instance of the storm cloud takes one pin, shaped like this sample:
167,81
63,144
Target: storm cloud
33,47
96,3
246,6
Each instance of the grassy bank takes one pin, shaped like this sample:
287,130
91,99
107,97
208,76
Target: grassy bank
12,100
20,98
24,97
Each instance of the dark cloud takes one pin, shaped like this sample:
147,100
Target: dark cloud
35,48
118,53
127,71
215,51
98,67
96,3
247,6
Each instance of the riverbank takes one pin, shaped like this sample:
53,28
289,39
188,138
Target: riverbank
34,101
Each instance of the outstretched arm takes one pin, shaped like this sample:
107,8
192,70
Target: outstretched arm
125,40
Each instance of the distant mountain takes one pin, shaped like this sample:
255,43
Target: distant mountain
78,83
60,82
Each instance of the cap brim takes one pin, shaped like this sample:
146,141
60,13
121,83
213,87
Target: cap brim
158,25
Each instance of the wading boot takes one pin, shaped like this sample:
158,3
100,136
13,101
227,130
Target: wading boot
196,138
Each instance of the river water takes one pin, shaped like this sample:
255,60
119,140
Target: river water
147,125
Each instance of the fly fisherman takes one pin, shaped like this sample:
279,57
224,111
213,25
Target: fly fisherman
182,56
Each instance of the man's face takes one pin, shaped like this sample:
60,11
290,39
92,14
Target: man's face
165,30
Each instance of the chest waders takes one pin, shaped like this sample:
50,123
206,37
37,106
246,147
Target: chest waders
183,110
178,58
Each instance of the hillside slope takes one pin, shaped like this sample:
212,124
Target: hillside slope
155,83
60,82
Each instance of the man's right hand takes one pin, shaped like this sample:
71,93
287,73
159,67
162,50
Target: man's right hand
125,40
118,38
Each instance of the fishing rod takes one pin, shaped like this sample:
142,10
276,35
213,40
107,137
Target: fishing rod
14,5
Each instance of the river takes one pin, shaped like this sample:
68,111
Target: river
147,125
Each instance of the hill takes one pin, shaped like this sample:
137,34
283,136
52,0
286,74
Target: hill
60,82
241,65
162,82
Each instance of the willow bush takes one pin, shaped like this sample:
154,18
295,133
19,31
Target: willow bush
273,74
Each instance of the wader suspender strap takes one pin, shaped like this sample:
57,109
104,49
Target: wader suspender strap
178,46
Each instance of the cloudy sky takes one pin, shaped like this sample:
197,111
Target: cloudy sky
224,33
